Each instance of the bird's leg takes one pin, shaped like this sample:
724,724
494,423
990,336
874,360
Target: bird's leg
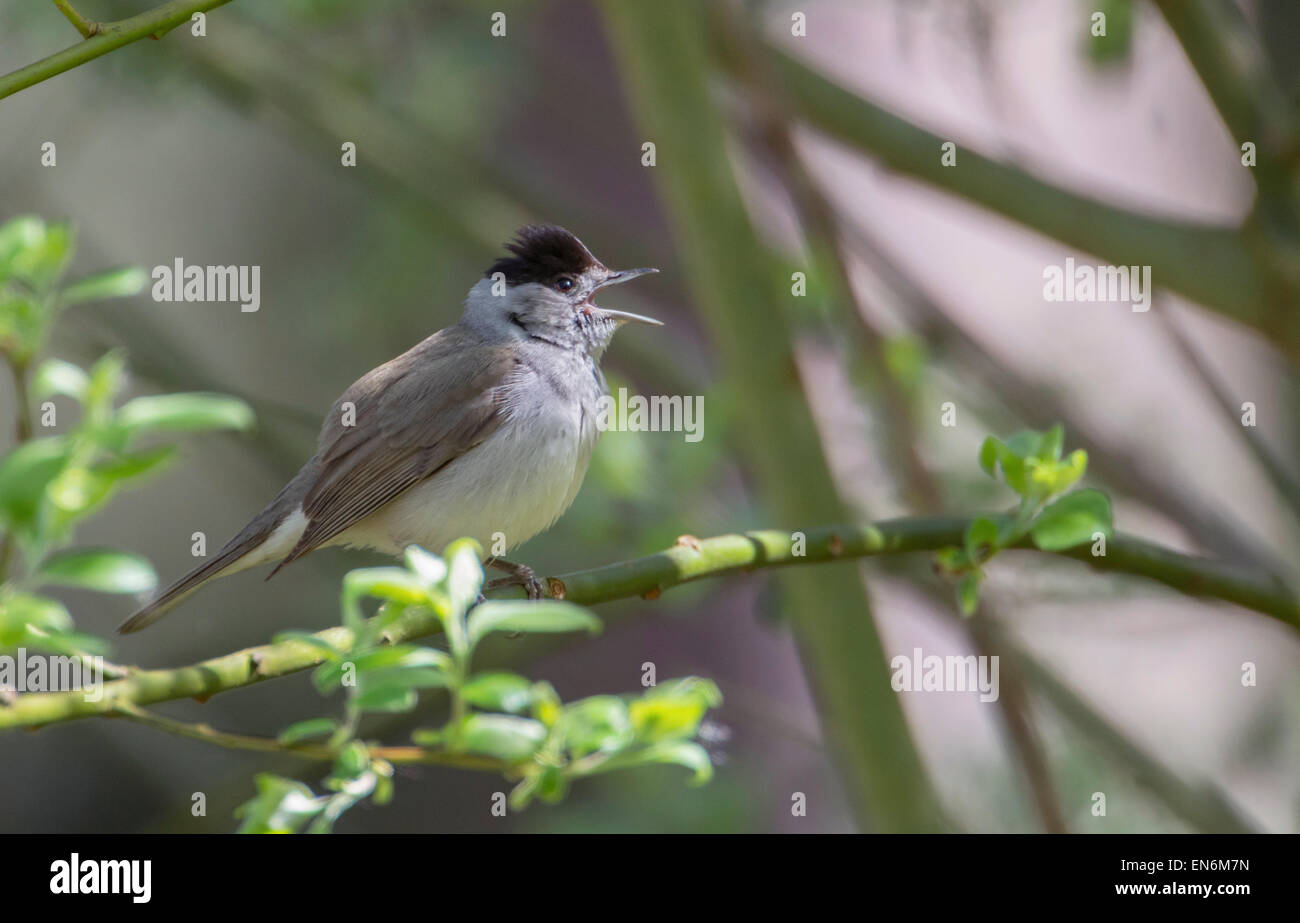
520,575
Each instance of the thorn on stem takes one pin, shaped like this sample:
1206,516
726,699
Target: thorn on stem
556,587
689,541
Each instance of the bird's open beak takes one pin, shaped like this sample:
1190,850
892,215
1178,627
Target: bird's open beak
618,277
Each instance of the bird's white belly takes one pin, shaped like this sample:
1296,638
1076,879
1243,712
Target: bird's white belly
501,493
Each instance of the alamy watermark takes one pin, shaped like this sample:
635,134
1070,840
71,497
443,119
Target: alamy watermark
1109,284
179,282
658,413
26,672
954,673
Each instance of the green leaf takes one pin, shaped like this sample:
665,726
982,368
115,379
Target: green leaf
428,567
981,539
599,722
98,569
183,413
280,806
135,464
16,235
21,613
394,584
386,697
306,730
111,283
540,616
1053,440
989,453
968,593
25,473
498,691
43,255
54,376
681,753
465,573
672,710
1072,520
506,737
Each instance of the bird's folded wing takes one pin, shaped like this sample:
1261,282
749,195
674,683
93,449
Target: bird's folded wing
413,416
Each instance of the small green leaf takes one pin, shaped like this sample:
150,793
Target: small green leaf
54,376
386,697
542,616
25,473
989,453
306,730
1072,520
280,806
681,753
498,691
183,413
599,722
506,737
465,573
968,593
981,539
1053,440
672,710
112,283
428,567
98,569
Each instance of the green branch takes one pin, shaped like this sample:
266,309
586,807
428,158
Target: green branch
1208,264
103,38
1227,55
689,560
319,752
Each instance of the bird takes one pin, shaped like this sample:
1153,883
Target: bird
483,430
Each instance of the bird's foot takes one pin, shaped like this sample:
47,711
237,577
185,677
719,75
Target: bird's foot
520,575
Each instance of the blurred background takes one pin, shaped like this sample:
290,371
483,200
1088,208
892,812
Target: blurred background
923,289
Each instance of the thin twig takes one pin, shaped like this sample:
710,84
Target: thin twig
208,734
86,27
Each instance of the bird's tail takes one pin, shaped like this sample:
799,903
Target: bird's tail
232,558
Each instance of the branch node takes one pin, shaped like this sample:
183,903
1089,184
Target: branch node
688,541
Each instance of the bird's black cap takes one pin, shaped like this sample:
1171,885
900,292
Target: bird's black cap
542,252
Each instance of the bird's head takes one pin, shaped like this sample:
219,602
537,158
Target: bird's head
545,291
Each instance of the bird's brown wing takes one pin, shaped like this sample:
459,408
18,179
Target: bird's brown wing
413,416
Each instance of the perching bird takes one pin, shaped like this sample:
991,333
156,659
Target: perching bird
483,430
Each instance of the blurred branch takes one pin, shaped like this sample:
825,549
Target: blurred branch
1211,265
667,73
828,250
1204,807
1286,486
1233,67
207,734
103,38
1013,703
689,560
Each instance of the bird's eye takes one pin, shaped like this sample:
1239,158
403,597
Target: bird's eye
563,284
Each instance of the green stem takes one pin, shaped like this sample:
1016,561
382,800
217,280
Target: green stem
689,560
322,752
86,27
109,37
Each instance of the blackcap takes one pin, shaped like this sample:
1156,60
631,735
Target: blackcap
483,430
